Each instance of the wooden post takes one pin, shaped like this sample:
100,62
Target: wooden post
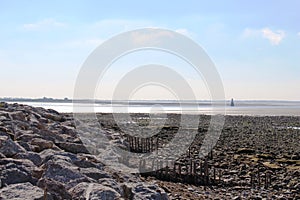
152,165
135,144
140,165
191,167
214,175
139,144
167,173
258,176
45,194
145,162
251,179
206,172
201,172
266,181
129,142
147,145
174,168
152,144
194,167
179,169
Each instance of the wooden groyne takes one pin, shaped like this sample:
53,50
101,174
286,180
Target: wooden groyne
190,170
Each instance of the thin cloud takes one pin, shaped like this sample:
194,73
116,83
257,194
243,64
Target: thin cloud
93,42
248,32
183,31
274,37
186,32
146,37
43,24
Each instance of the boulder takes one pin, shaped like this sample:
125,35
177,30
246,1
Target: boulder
8,147
88,161
2,156
17,171
17,115
109,182
32,156
72,147
53,116
55,188
91,191
64,172
56,156
94,173
41,144
23,191
146,191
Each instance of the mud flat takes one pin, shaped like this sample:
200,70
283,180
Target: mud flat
255,157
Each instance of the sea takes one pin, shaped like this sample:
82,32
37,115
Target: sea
253,108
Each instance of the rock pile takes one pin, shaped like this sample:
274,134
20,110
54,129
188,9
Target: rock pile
41,157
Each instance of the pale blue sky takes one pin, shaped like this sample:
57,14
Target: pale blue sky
255,45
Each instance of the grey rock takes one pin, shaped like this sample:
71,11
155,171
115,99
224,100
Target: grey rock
93,191
8,147
25,135
23,191
47,153
94,173
18,115
55,188
17,171
2,156
3,132
52,155
72,147
53,116
147,191
88,161
32,156
14,175
25,145
109,182
41,144
64,172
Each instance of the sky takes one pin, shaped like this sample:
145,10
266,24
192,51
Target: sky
255,45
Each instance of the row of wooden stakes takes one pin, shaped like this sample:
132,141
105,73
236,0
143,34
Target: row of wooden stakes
192,171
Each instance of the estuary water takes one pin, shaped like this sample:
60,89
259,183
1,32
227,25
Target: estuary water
255,108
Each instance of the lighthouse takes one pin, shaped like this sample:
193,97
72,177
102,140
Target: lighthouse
232,103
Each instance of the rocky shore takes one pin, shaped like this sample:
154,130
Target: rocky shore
42,157
254,158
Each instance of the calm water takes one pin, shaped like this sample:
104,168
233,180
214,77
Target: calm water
241,107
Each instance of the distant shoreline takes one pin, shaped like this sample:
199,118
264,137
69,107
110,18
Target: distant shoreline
242,108
144,101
